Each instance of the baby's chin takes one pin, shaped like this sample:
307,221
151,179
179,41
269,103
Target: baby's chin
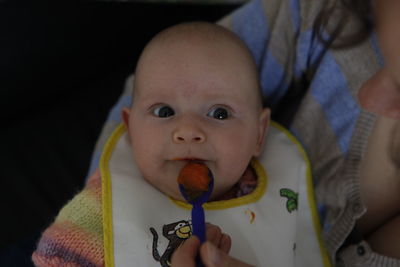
216,194
172,193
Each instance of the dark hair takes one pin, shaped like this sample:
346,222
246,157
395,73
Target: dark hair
357,11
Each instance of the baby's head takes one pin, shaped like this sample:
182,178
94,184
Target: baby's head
196,97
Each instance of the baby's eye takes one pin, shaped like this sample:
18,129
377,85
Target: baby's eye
219,113
163,111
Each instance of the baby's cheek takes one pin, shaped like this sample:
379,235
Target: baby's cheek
231,171
236,152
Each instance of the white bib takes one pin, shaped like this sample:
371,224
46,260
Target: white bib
276,225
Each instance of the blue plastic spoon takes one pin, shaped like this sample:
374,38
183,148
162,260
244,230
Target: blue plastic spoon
196,183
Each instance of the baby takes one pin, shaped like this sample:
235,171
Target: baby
196,98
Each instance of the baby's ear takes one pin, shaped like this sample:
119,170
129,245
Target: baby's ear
262,130
125,113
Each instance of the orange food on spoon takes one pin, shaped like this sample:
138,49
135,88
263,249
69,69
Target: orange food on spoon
194,177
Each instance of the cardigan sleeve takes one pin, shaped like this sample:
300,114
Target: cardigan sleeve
76,236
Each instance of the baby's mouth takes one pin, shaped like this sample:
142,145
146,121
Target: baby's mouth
190,160
183,161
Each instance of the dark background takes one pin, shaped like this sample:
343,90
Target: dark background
62,67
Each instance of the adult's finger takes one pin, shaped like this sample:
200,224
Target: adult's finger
225,243
215,235
214,257
184,256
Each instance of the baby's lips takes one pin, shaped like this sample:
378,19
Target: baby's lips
186,160
189,159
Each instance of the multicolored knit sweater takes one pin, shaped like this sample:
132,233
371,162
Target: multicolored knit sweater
76,236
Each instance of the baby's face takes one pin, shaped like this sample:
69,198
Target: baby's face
194,104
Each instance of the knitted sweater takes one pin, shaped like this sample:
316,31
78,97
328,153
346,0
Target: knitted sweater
76,237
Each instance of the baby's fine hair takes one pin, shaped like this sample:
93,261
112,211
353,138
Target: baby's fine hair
205,31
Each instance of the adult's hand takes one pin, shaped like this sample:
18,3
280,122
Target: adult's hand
213,253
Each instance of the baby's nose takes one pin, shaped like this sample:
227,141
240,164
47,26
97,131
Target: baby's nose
188,135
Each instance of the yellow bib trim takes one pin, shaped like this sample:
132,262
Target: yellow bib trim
107,195
310,194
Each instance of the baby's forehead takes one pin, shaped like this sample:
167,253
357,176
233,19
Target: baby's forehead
196,44
192,36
